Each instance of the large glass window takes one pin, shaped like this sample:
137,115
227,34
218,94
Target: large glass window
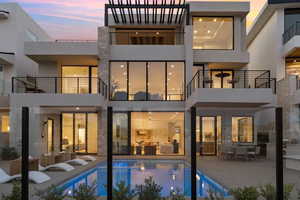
213,33
79,79
175,80
157,133
5,122
156,80
147,81
79,132
120,133
137,81
118,80
242,129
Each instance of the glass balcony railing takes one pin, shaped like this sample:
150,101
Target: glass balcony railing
64,85
146,38
292,31
231,79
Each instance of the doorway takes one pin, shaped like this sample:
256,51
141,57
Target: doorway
222,78
210,134
79,132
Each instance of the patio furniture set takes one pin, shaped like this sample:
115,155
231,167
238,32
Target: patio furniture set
239,152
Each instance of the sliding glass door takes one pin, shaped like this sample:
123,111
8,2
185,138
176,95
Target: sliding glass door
121,142
79,132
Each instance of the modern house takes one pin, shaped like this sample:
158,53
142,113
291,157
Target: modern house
16,28
151,64
277,29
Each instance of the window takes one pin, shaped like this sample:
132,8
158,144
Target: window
213,33
120,133
140,81
5,122
157,133
79,79
242,129
137,81
79,132
118,81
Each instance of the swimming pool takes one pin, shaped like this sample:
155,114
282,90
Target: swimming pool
170,174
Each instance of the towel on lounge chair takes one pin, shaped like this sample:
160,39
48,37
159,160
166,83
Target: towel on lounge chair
88,158
34,176
62,166
77,161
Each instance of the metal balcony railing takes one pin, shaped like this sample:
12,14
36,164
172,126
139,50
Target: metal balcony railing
64,85
231,79
147,38
291,32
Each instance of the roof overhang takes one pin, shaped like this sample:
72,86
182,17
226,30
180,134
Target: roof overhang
7,58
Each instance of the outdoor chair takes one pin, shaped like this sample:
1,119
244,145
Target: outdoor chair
34,176
241,153
254,153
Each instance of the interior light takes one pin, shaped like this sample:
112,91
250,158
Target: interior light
208,31
77,108
124,73
172,66
136,33
295,61
195,31
170,73
122,66
215,19
200,19
8,128
169,79
157,33
198,177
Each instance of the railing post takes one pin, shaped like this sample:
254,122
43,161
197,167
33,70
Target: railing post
12,84
198,75
55,79
25,153
269,79
279,155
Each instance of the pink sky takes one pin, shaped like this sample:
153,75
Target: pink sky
79,19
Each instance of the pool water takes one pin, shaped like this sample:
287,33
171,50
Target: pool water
170,174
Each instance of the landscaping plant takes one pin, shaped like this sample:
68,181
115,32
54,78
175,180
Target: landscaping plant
269,191
149,190
9,153
245,193
176,195
15,193
52,193
123,192
85,192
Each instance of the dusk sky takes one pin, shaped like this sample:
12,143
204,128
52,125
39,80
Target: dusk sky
79,19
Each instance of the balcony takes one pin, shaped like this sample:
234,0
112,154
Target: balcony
291,40
59,91
228,87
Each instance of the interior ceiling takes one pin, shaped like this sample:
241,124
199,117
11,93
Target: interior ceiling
294,53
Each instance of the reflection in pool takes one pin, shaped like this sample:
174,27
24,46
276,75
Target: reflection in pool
170,174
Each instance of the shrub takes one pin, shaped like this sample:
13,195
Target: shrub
176,195
269,191
246,193
15,193
85,192
212,195
149,190
9,153
123,192
51,193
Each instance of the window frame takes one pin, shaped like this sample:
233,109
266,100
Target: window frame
147,79
253,131
233,34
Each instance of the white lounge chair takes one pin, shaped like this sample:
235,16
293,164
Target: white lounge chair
88,158
34,176
61,166
77,161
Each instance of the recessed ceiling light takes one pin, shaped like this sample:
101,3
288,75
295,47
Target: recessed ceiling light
172,66
208,31
170,73
122,66
200,19
195,31
215,19
77,108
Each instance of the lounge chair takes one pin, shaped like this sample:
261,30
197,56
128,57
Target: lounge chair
61,166
34,176
77,161
88,158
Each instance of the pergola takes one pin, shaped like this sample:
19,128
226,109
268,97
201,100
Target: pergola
147,12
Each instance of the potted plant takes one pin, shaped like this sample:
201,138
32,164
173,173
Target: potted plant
149,190
269,191
123,192
9,153
245,193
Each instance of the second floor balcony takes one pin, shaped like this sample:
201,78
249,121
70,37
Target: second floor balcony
245,87
59,85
